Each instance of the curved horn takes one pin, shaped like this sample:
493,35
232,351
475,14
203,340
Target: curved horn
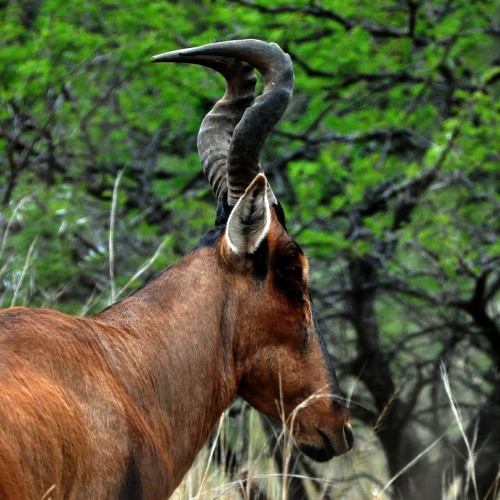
216,130
258,120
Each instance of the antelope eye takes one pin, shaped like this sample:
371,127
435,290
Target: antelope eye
291,281
294,271
291,272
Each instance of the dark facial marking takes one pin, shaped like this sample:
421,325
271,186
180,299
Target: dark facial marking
290,273
260,259
326,356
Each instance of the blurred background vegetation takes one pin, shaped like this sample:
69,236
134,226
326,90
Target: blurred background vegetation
387,164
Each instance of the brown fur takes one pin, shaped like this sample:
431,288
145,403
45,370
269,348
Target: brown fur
118,405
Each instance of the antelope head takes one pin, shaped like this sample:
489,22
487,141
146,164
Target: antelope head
279,359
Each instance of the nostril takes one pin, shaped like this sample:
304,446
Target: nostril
349,436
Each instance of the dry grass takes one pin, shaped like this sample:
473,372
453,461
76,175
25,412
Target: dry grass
344,477
361,474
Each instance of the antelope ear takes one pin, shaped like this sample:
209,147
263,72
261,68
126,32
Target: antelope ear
250,219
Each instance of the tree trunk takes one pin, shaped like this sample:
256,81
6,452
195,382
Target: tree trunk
399,443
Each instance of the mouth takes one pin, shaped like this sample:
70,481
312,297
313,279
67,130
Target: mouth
319,454
327,451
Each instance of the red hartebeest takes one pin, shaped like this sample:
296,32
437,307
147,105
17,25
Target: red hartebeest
119,404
